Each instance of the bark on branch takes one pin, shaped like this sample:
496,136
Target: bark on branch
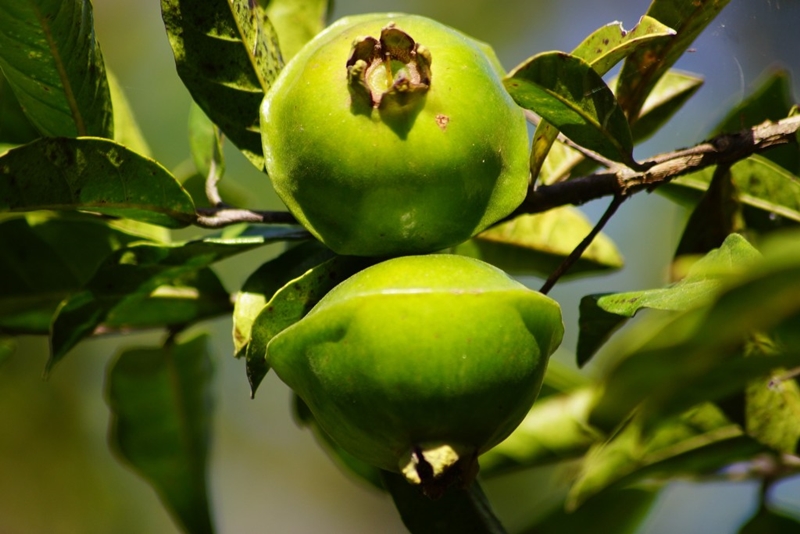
724,149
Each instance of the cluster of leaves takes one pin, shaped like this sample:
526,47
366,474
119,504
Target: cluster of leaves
85,216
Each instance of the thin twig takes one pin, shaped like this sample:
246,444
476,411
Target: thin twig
219,217
581,248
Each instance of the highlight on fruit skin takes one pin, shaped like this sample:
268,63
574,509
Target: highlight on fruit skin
420,363
392,134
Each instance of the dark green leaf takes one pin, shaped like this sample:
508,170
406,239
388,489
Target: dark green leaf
205,141
138,270
537,244
227,55
15,128
290,304
671,91
771,100
45,259
716,216
160,402
601,315
618,511
297,22
555,429
59,173
567,92
642,69
190,298
769,522
266,280
49,54
466,511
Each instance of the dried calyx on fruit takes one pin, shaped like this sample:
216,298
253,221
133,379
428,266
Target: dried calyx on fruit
392,134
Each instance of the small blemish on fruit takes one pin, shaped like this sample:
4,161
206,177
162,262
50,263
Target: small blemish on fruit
442,121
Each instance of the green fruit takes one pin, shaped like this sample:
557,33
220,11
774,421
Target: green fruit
414,161
420,363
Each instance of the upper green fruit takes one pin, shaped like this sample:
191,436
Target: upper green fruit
421,363
393,134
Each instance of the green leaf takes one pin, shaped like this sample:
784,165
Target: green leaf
98,175
227,55
555,429
772,100
161,406
126,129
260,286
567,92
643,68
47,258
768,522
466,511
762,185
190,298
670,93
296,21
205,142
15,128
602,314
53,62
290,304
602,49
137,270
716,216
698,442
607,46
539,243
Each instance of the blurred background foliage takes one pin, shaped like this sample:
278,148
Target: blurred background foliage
56,473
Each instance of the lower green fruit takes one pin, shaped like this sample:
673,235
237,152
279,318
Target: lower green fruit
421,363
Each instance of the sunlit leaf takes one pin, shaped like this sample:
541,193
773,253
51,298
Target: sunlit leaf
772,413
568,93
126,129
762,185
670,93
643,68
45,259
227,54
49,54
260,286
140,269
161,406
555,429
538,244
297,22
602,49
291,303
91,174
459,510
602,314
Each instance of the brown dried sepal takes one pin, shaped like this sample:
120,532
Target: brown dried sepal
406,68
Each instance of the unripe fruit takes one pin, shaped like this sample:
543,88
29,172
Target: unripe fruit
420,363
392,134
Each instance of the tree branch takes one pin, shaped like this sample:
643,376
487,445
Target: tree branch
219,217
724,149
